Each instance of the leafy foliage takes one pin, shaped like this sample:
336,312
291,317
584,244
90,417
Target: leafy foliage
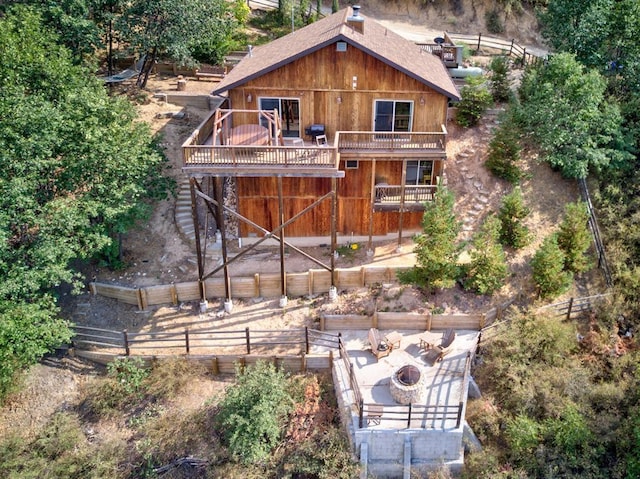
513,210
487,270
504,152
252,412
476,98
76,171
574,238
549,274
565,111
436,248
493,21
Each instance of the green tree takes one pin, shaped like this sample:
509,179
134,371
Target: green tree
574,237
253,411
175,28
549,274
513,210
566,113
487,270
476,98
335,6
504,152
499,80
436,248
76,170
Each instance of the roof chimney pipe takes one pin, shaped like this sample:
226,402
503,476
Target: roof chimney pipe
355,20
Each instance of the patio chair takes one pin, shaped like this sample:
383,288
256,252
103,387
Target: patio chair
444,347
321,140
379,347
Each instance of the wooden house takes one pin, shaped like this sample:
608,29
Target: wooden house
337,128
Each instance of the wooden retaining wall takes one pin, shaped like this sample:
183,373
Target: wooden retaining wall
404,321
310,283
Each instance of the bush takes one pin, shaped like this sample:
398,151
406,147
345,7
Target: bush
253,412
476,98
493,21
124,384
548,268
574,237
504,154
513,210
488,267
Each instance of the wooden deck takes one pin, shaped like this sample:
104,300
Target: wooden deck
205,153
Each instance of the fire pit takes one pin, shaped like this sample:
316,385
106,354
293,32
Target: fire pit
407,385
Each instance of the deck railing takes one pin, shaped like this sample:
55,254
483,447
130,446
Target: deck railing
392,194
392,140
226,156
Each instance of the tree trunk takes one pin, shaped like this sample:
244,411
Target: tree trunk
146,68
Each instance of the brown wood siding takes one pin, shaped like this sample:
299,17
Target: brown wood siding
319,79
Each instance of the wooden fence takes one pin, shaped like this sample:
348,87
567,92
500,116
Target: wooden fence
509,47
574,307
309,283
405,321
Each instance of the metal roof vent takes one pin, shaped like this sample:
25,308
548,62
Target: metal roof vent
355,20
341,46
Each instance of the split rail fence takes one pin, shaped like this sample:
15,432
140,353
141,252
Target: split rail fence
308,283
509,47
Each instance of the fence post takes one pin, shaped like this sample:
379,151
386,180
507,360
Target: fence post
409,418
306,339
511,47
246,334
569,308
125,335
478,343
524,56
479,40
459,419
186,339
361,416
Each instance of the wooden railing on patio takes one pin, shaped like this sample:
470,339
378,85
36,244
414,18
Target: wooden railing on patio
392,141
422,414
392,194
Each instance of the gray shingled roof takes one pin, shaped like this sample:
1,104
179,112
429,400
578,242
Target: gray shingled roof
376,40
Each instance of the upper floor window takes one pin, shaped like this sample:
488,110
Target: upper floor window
289,110
392,115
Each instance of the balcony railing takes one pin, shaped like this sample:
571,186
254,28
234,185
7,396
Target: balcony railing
392,141
392,194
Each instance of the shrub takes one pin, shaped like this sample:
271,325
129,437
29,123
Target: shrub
488,267
504,154
548,268
476,98
252,412
574,238
124,384
513,210
493,21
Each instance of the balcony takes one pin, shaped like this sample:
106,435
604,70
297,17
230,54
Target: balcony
219,148
410,197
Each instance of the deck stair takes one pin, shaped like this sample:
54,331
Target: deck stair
184,220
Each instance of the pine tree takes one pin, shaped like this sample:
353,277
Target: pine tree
548,268
512,232
504,153
436,248
574,238
499,82
488,267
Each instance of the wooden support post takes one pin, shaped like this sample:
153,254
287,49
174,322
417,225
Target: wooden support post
402,191
409,417
283,274
373,200
196,226
220,220
334,208
569,308
247,340
459,418
361,414
511,47
215,367
479,40
186,339
125,336
306,340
